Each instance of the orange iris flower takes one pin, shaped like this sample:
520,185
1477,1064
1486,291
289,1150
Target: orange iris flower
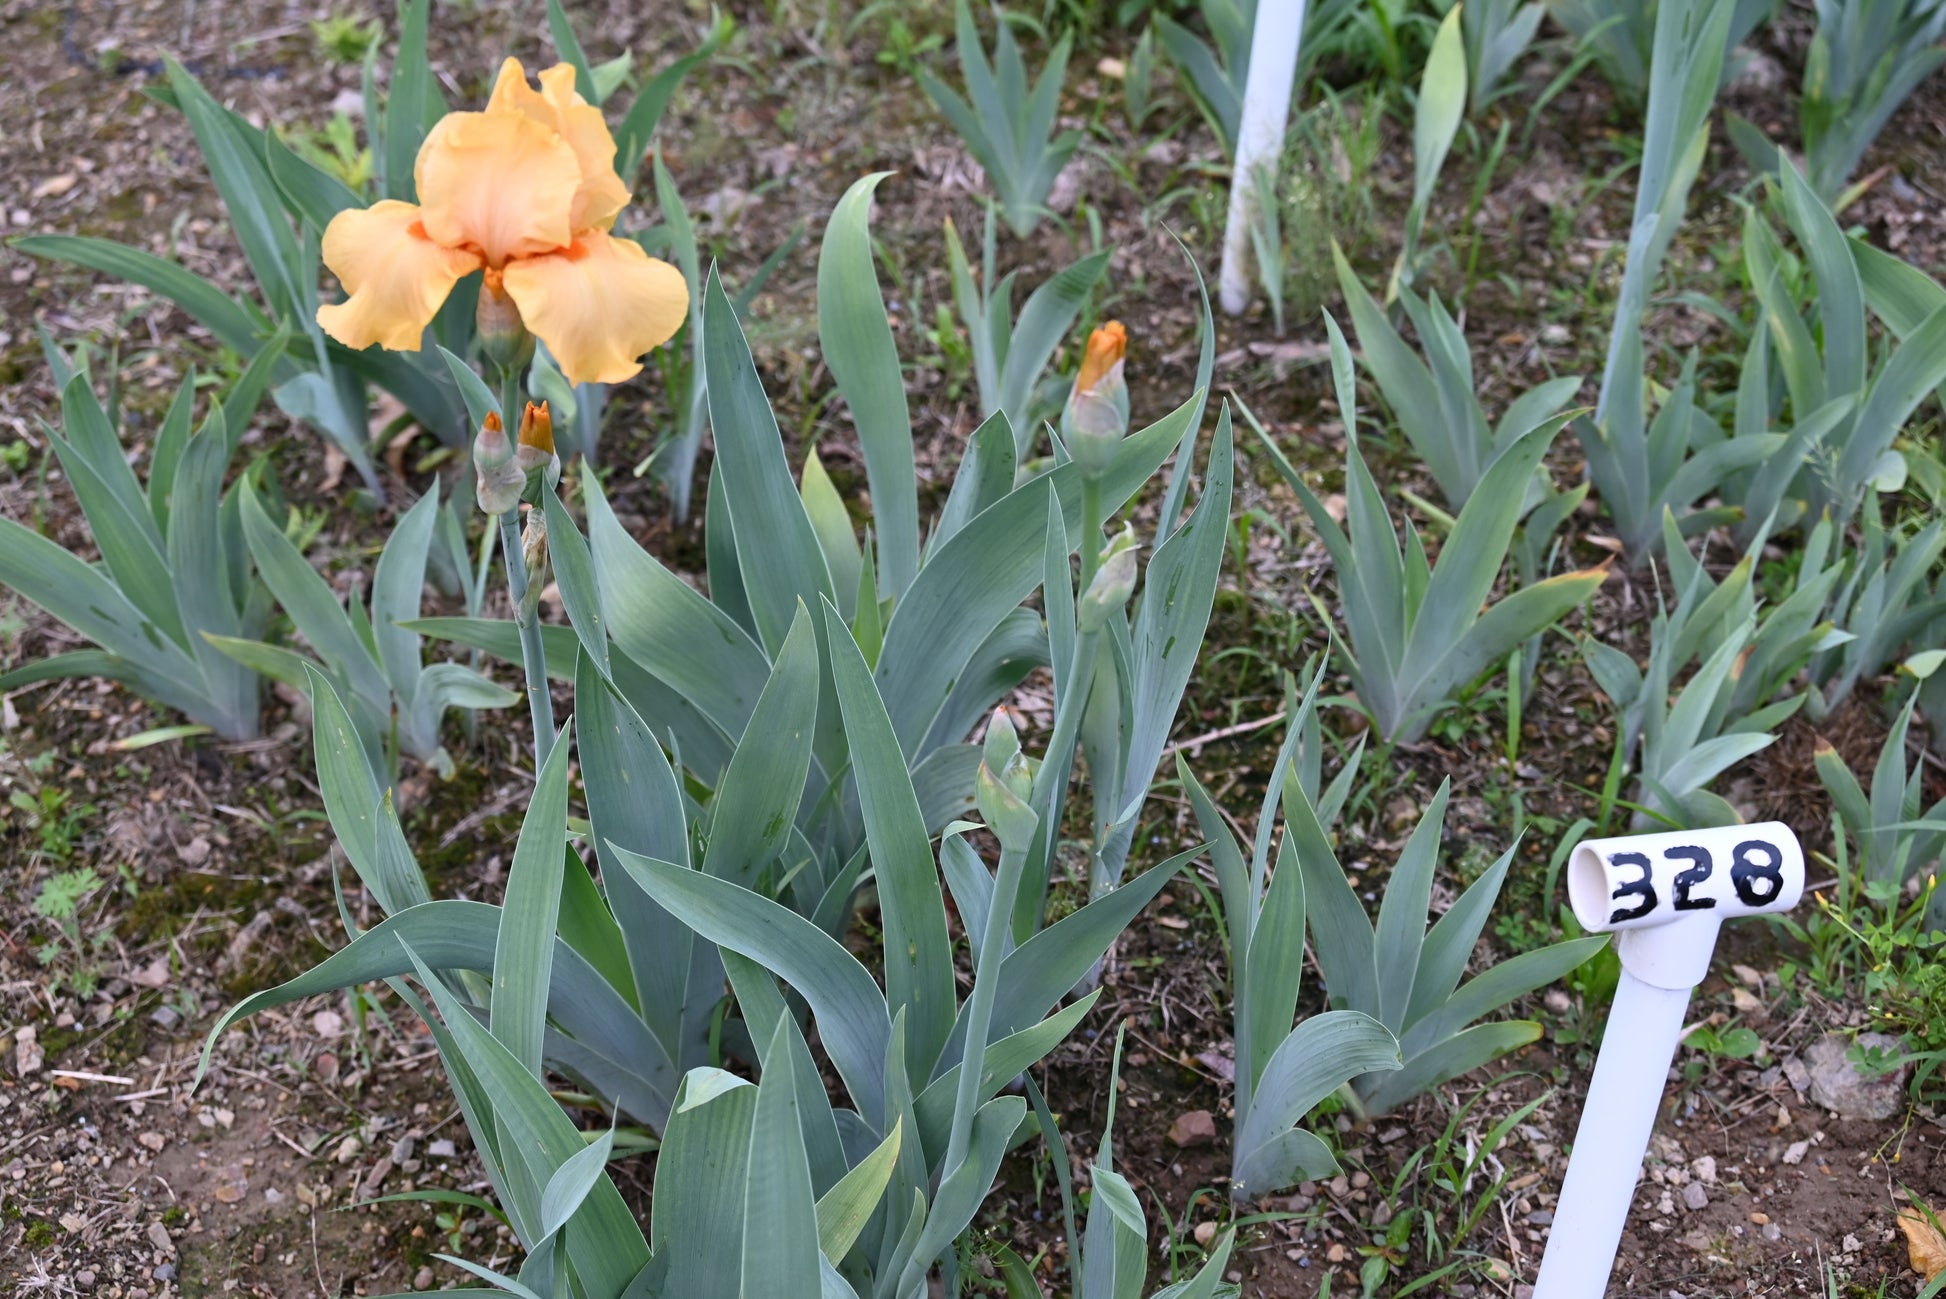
526,192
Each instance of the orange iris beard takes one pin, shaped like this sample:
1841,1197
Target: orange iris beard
525,191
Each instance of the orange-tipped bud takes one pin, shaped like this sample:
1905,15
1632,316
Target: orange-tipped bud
1106,348
536,435
498,479
491,449
1096,416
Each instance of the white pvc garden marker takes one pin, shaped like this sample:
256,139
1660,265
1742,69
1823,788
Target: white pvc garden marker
1260,136
1664,896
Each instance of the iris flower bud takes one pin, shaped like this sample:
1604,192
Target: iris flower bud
1096,416
1004,785
1112,584
540,570
536,450
503,334
498,478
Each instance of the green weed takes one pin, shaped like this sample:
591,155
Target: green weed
345,38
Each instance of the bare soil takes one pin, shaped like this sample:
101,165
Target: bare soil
120,1178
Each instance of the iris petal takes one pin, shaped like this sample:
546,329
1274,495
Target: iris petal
599,306
557,106
500,183
396,276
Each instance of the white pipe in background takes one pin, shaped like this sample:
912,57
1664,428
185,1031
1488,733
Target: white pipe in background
1260,136
1664,896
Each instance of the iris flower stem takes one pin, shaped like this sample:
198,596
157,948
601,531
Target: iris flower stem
1090,530
979,1009
509,398
533,656
1050,785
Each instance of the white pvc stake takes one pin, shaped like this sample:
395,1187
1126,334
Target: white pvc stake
1664,896
1260,136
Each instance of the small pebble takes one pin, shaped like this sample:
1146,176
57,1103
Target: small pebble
1196,1128
1795,1155
1695,1196
422,1280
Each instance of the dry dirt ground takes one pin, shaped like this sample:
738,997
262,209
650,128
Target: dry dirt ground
120,1178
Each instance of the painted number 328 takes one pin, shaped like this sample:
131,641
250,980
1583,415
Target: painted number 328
1756,873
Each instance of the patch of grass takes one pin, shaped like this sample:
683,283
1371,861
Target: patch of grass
346,38
904,35
332,148
1442,1193
1331,157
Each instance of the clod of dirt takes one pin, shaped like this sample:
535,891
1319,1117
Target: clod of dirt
1836,1083
1195,1128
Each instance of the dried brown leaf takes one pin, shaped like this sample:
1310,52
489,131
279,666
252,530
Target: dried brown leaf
1924,1246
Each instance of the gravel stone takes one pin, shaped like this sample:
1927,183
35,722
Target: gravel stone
1837,1085
1196,1128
